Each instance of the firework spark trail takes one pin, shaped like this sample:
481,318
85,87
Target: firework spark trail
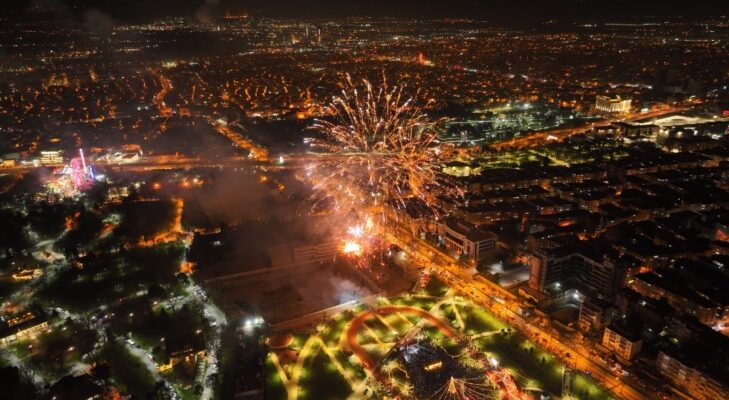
388,149
387,152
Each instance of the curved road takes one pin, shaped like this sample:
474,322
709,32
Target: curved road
360,319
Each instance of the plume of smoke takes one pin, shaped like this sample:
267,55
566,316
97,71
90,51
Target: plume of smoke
205,14
98,22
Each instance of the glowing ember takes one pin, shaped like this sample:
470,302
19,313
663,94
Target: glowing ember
352,248
356,231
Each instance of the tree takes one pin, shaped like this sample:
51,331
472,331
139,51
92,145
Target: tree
464,258
159,392
101,372
109,334
70,251
13,386
156,291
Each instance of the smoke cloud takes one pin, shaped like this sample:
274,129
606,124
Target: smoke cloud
98,22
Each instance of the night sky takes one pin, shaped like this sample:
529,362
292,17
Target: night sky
503,11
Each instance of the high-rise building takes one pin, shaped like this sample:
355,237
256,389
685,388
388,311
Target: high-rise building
697,370
465,238
624,341
615,105
569,266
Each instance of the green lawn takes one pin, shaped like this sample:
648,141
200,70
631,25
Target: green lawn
435,288
21,349
531,366
321,382
273,388
128,371
333,331
513,352
479,320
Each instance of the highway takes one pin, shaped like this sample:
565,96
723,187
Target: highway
177,162
260,156
560,134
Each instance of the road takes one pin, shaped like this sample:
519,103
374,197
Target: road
560,134
175,162
259,155
356,324
503,305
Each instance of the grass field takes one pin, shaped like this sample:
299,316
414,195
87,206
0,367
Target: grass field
331,371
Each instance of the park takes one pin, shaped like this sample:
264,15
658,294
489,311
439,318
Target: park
429,343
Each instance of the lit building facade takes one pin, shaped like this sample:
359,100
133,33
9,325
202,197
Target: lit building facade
465,238
51,157
22,326
611,105
707,310
689,376
594,315
559,265
625,343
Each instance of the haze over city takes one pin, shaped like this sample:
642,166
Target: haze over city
340,200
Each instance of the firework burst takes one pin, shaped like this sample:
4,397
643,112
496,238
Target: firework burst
383,146
380,147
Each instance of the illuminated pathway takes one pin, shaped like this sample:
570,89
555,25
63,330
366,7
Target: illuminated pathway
292,383
361,389
357,323
159,97
375,375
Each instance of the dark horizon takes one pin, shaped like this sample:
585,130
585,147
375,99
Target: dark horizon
516,12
